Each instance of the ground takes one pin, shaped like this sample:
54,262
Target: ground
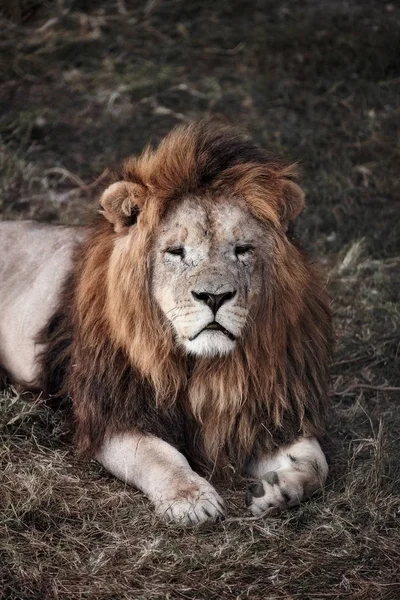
84,84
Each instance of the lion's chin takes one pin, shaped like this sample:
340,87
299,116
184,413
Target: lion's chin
210,343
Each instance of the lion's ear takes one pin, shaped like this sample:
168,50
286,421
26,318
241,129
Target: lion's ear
293,202
121,203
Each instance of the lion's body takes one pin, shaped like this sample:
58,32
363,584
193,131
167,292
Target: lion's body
35,259
202,330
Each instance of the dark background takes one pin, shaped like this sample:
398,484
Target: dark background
83,85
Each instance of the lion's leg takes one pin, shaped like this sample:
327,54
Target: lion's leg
164,475
286,478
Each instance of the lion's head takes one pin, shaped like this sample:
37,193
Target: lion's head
212,203
195,278
209,259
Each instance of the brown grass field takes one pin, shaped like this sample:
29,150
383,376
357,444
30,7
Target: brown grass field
84,84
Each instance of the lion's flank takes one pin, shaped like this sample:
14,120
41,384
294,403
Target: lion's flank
110,349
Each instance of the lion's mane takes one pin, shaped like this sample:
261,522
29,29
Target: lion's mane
110,350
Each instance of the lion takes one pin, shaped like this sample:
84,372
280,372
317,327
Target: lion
187,325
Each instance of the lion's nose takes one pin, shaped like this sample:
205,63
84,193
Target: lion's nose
214,301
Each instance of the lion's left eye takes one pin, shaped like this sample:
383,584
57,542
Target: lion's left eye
243,249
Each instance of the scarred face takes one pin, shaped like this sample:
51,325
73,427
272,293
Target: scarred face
207,273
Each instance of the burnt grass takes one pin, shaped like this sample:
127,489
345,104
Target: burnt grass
84,84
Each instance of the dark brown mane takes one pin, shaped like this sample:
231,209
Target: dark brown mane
111,351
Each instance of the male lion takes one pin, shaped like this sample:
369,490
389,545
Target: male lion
187,325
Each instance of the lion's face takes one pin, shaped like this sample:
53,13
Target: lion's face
208,272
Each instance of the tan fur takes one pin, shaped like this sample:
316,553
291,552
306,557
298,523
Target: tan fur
164,475
34,261
287,477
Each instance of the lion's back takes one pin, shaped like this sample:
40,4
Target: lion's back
35,259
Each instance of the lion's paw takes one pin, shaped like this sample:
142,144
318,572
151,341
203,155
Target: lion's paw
191,502
276,491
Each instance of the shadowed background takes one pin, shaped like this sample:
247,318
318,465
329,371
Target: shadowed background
84,84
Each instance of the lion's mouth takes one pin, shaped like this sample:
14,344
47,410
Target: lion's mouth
215,326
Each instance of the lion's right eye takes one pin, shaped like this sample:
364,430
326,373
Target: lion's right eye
177,251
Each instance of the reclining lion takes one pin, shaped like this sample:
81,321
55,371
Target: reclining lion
187,325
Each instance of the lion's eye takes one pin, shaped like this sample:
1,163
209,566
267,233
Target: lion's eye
243,249
176,251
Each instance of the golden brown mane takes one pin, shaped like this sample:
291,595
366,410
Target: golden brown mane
110,349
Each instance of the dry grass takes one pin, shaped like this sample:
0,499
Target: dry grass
84,84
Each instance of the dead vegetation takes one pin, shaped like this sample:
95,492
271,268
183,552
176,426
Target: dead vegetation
84,84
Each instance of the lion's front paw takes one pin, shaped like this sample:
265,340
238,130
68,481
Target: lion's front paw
190,502
276,491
